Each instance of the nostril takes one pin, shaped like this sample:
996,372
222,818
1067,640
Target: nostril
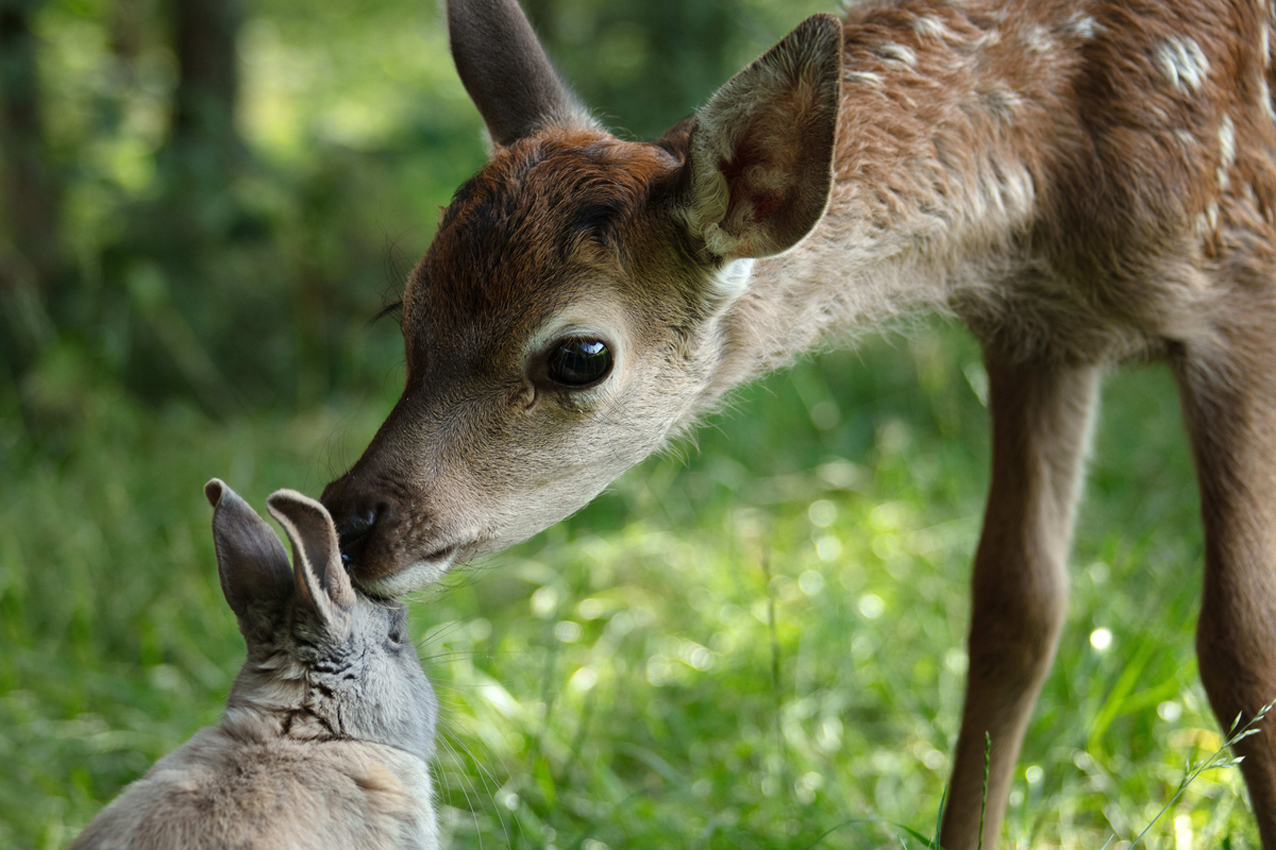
353,534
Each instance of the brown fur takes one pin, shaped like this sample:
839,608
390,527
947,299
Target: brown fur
1081,182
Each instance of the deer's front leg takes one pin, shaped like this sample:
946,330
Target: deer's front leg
1040,424
1229,403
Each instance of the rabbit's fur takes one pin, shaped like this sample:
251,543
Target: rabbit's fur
329,728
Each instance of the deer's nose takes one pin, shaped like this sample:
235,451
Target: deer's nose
354,532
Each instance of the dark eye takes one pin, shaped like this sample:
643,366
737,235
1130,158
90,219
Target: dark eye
579,361
396,636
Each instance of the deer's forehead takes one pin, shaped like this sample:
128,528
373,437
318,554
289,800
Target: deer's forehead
537,207
541,214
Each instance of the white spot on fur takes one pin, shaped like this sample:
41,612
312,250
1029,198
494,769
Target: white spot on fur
1017,192
1265,100
1183,63
1038,38
988,39
1227,141
867,78
731,282
1200,227
1084,26
898,54
1264,46
415,576
1226,151
930,26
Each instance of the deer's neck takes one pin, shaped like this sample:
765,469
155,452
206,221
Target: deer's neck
949,123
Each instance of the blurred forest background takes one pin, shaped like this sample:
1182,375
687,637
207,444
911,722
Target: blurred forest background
199,196
203,203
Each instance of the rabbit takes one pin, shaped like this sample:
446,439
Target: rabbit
329,728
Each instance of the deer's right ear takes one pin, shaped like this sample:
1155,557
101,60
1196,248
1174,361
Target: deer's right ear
251,562
506,72
760,161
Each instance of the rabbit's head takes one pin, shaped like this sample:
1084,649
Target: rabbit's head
324,661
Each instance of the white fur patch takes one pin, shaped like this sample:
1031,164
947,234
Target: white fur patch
930,26
731,282
1084,26
1206,224
988,39
1016,191
1183,63
867,78
414,577
1227,141
1200,226
1265,99
1038,38
1226,151
898,54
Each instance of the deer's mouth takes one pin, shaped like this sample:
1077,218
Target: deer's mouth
413,572
444,555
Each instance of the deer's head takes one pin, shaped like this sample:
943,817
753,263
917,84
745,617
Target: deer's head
568,316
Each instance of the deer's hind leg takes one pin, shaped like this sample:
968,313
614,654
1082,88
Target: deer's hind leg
1228,388
1041,418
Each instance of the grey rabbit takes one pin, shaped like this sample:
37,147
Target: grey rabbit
329,728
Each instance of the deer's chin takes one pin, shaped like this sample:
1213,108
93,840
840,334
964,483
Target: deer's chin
414,575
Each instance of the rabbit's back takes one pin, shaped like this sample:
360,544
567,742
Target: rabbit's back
220,791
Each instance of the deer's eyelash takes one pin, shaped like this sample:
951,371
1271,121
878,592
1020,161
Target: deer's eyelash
389,309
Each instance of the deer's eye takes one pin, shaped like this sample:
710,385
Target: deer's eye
579,362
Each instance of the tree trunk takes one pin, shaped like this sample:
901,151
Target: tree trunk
31,196
203,134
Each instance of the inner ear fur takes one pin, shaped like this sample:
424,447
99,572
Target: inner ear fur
321,582
760,160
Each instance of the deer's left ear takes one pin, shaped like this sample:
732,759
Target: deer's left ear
506,71
760,158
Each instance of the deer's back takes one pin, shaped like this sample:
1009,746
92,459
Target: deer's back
1104,171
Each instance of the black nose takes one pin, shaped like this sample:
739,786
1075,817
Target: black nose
355,531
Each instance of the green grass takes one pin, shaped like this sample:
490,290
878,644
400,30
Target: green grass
756,642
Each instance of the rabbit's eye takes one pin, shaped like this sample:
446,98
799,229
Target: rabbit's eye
396,636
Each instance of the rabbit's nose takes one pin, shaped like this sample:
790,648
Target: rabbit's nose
355,530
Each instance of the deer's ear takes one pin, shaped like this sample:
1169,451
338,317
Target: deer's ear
760,160
506,72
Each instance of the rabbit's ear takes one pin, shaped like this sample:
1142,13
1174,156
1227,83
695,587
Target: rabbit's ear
251,562
321,580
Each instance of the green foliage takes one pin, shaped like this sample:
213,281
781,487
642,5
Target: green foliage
243,282
752,643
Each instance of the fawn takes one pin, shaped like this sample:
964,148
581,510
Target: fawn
1082,183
